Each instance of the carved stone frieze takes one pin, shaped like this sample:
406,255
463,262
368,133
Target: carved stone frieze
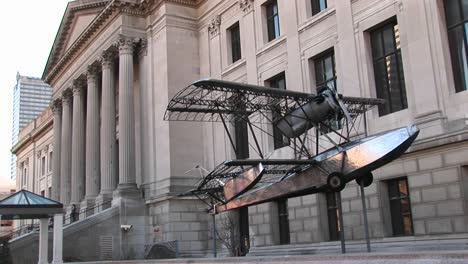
213,26
246,5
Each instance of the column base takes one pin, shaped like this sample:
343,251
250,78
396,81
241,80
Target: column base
127,190
103,201
87,207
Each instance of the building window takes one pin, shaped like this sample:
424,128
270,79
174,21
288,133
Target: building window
279,141
43,165
318,6
400,208
50,161
388,68
456,15
43,193
25,173
50,192
283,218
234,35
272,19
333,217
325,75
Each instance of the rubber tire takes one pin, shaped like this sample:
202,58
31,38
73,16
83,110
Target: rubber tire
366,180
335,182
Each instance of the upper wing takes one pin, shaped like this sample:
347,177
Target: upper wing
215,100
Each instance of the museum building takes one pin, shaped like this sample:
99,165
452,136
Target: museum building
115,65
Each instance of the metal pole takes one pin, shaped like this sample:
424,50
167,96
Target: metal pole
366,224
340,212
214,235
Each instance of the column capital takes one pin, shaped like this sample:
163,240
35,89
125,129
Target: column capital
126,44
142,48
56,106
92,71
107,58
78,87
67,96
213,26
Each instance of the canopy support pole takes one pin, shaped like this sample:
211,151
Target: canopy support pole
58,239
43,240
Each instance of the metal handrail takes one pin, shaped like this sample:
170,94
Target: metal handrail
28,228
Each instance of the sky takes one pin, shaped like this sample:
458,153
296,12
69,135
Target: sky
28,29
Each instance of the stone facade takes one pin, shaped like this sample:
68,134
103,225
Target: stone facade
146,51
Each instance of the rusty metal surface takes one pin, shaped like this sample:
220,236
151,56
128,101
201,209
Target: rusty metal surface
240,184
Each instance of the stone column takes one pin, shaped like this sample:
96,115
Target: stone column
65,148
146,106
108,140
57,110
58,239
43,240
93,168
78,144
127,179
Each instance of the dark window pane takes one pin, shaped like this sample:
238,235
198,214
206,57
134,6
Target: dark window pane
279,141
388,40
283,221
400,207
333,216
376,43
452,12
272,20
382,87
319,73
235,42
318,6
465,9
458,56
388,68
329,69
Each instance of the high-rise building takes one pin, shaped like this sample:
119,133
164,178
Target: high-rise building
30,97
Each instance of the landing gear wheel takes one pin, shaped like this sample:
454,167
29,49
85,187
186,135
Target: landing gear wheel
335,182
365,180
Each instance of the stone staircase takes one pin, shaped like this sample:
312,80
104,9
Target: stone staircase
384,245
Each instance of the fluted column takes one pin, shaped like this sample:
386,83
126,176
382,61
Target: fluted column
78,144
57,110
146,124
93,168
65,148
127,179
108,140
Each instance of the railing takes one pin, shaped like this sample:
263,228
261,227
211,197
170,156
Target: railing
67,219
83,213
19,231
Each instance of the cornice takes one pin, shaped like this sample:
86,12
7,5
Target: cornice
112,7
44,126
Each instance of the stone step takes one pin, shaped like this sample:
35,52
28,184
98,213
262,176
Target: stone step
402,244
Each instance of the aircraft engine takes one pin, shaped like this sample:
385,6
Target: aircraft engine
324,106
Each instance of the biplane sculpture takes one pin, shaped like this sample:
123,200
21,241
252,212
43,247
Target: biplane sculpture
244,182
